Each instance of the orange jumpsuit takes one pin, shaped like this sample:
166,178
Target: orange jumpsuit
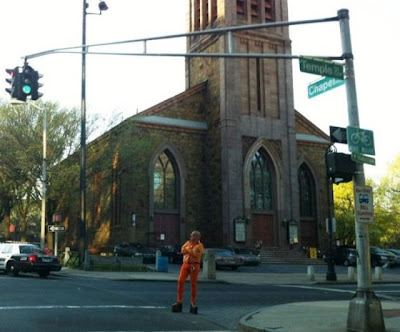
192,254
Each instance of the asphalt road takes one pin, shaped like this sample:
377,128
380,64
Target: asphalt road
81,304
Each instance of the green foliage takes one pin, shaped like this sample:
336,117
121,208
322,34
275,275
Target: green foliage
344,212
21,153
385,230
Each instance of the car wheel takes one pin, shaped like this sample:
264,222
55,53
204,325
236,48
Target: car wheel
11,268
43,274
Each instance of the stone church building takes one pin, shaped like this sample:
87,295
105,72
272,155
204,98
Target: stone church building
229,156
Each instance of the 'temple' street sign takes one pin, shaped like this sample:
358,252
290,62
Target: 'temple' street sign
321,67
324,85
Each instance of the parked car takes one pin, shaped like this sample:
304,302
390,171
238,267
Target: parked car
249,256
225,258
173,252
345,255
148,255
131,249
396,261
382,257
26,257
397,253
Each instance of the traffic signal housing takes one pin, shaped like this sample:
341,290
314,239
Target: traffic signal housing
24,83
15,81
340,167
30,82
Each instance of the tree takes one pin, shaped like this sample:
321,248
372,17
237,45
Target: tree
344,212
21,153
387,206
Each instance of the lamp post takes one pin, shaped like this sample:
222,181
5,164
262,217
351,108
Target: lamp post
82,221
44,181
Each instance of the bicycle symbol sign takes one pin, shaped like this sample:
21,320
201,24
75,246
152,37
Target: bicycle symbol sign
360,140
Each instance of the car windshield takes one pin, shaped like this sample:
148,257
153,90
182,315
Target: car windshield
222,252
378,251
244,251
30,250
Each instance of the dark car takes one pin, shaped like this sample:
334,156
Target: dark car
173,252
148,255
345,255
382,257
225,258
248,255
397,259
131,249
30,258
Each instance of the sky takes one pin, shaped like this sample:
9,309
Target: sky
126,85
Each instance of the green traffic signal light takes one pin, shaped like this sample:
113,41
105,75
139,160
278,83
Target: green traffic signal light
26,89
28,79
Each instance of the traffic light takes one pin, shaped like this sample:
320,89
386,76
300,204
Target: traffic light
340,167
24,83
15,89
30,82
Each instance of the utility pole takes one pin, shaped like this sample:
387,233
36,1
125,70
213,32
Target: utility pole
365,310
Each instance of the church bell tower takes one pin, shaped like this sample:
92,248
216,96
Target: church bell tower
249,109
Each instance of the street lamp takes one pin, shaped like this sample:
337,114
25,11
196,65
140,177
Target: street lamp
82,222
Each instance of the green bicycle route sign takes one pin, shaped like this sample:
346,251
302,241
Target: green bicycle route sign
321,67
360,140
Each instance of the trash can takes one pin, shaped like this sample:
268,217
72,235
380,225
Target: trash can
161,262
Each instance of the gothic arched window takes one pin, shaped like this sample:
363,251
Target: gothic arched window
165,182
307,193
260,183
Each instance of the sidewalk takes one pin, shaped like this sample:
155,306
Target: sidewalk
321,316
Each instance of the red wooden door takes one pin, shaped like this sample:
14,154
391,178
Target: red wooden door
166,229
263,229
309,232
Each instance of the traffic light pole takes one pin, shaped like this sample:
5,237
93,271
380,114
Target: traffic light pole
365,311
82,220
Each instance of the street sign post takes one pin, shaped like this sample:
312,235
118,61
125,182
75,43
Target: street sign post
321,67
323,85
56,228
360,158
364,204
360,140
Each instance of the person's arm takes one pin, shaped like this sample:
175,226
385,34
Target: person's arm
185,248
197,252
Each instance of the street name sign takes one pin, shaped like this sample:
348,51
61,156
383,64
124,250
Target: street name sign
360,140
338,134
364,204
324,85
360,158
56,228
321,67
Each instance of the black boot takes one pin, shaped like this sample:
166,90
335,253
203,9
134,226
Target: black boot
193,309
177,307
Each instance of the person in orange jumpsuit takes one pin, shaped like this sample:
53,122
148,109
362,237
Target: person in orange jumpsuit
192,252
